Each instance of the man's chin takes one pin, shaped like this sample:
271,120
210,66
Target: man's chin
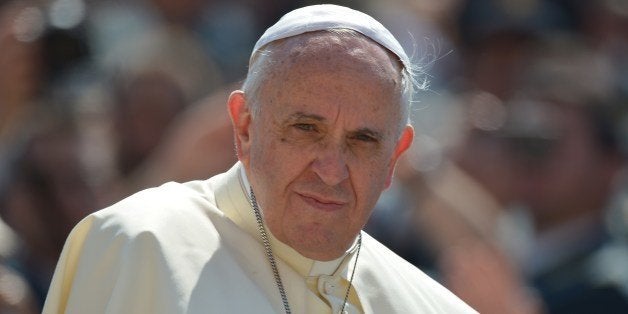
323,256
321,248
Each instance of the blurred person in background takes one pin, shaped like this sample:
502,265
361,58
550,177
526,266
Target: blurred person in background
144,106
46,195
223,30
561,141
38,155
148,94
21,62
572,96
203,129
156,63
497,37
22,74
21,86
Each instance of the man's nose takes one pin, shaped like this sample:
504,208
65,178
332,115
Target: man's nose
330,165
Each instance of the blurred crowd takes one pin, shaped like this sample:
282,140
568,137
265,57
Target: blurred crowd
514,195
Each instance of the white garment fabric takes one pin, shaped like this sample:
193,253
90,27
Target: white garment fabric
195,248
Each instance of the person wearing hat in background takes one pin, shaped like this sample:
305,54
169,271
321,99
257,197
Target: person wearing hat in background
281,230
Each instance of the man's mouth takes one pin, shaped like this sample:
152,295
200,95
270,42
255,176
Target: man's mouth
322,203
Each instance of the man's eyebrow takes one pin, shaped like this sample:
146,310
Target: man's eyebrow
305,116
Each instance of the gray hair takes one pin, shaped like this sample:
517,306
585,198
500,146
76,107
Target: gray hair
263,58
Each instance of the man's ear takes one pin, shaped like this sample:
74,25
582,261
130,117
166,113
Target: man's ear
241,120
405,140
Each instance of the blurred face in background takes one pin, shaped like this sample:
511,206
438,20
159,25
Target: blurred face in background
146,106
576,175
20,55
49,193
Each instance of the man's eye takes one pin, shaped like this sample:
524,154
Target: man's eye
305,127
365,138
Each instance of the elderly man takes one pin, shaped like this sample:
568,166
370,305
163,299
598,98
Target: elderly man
319,127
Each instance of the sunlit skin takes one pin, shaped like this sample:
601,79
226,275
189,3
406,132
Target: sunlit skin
326,139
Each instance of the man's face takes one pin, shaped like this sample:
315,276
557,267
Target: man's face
325,142
577,176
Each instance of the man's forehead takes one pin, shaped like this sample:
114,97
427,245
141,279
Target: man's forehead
308,73
333,46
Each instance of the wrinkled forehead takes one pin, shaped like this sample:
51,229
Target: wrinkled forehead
337,49
347,56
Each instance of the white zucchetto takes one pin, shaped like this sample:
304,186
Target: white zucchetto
329,16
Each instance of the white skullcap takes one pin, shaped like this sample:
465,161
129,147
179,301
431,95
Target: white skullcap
329,16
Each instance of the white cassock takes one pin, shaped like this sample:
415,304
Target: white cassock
195,248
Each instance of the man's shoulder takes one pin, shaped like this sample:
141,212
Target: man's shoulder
168,206
159,235
407,283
